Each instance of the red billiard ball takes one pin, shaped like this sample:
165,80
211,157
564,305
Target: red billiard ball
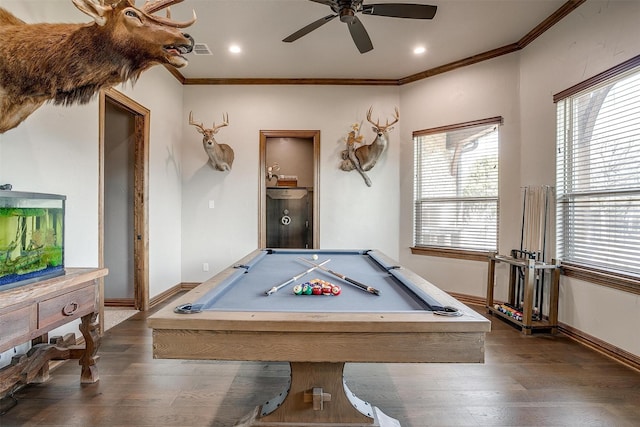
335,290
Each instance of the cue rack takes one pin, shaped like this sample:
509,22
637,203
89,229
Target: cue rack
532,302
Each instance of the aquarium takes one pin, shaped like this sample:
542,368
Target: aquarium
31,237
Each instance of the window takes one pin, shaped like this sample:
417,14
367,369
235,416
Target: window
598,173
456,186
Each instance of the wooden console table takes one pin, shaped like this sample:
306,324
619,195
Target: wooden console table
531,269
30,312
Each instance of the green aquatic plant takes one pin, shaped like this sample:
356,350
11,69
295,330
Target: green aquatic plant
24,212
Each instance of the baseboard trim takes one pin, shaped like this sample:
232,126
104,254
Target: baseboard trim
468,299
596,344
119,302
171,292
609,350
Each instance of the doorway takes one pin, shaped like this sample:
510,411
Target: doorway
123,213
289,189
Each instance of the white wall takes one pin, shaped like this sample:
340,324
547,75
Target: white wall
592,39
56,151
352,215
485,90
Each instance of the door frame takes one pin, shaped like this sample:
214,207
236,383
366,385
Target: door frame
142,118
314,135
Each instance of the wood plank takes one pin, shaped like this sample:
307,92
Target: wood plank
72,280
320,346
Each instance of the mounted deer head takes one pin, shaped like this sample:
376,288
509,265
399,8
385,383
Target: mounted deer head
220,155
364,157
69,63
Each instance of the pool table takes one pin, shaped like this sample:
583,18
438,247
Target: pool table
232,317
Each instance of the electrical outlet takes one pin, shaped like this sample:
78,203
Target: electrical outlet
211,204
205,266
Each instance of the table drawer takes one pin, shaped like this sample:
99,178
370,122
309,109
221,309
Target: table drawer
15,326
66,307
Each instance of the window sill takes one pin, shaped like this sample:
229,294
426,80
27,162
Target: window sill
619,281
609,279
452,253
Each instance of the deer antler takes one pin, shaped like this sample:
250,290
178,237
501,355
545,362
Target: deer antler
214,129
225,122
198,125
386,126
95,9
151,7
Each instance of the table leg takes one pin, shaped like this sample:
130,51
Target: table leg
89,327
529,285
491,282
318,396
554,289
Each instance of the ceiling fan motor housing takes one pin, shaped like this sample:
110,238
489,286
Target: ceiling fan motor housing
348,10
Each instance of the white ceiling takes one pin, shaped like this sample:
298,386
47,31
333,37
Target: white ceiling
460,29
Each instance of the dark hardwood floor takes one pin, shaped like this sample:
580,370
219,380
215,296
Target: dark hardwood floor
526,381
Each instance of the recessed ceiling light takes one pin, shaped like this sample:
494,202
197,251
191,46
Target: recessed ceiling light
419,50
234,48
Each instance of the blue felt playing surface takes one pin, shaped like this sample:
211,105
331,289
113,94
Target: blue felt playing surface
245,290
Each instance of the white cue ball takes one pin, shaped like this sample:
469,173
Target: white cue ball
314,256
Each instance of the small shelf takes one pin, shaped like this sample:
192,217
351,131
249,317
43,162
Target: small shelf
533,270
536,325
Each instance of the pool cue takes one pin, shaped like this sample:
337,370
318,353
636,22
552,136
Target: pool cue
294,278
343,277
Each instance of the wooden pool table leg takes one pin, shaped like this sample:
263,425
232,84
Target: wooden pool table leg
317,397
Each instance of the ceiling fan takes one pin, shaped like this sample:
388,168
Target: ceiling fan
347,9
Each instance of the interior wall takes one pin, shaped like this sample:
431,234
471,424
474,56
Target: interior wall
485,90
597,36
520,87
351,214
56,151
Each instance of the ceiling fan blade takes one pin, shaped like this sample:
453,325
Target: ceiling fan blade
359,35
306,30
400,10
327,2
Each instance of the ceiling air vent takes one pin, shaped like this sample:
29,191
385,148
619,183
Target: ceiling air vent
201,49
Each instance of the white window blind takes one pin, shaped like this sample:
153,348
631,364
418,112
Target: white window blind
598,175
456,186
